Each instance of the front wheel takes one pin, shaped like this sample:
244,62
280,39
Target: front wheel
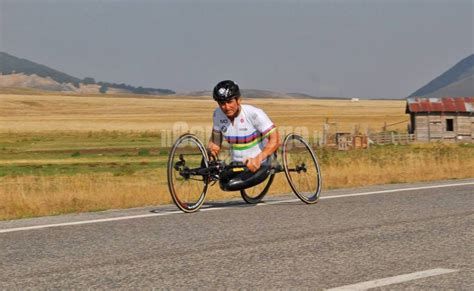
301,168
255,194
187,188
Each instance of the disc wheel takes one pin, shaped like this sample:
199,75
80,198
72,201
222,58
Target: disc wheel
256,193
301,168
187,189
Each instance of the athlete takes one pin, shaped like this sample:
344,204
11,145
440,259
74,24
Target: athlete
252,136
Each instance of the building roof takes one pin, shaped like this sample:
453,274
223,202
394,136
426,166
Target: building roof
445,104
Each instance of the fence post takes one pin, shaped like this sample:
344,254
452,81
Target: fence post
367,133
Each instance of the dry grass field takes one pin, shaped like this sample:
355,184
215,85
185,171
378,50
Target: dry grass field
61,154
53,113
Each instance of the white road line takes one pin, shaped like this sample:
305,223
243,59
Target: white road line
371,193
87,221
397,190
393,280
219,208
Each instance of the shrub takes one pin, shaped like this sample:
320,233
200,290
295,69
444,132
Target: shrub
143,152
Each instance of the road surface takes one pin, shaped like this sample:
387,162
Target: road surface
403,236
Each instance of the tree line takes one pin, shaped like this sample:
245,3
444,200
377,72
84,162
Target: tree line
104,86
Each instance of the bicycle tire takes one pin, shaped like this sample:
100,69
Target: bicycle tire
296,152
250,197
187,199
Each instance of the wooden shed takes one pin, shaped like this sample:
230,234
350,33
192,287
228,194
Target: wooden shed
448,118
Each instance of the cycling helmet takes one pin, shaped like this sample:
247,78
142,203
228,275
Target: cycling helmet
226,90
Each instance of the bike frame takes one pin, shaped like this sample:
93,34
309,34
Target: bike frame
216,167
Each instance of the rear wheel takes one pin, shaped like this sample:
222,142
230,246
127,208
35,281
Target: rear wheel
301,168
187,188
256,193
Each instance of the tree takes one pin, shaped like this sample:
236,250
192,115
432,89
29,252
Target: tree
140,90
88,81
103,89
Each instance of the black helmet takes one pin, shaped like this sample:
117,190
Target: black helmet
226,90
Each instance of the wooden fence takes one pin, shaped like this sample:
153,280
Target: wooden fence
391,138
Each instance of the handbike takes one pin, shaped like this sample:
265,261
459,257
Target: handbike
191,171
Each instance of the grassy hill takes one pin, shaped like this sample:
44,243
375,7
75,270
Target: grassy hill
12,65
17,72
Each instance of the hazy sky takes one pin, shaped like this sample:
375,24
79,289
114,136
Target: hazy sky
323,48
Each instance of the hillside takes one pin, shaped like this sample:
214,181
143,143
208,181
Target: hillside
12,65
22,73
457,81
247,93
263,94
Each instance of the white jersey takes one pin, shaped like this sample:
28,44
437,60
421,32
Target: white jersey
248,135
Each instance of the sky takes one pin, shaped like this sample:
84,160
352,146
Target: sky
347,48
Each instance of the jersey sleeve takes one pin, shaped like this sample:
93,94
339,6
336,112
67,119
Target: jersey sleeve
262,122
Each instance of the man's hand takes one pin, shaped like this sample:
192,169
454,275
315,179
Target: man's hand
253,164
213,149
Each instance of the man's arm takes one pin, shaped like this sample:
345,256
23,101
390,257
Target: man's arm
215,143
272,145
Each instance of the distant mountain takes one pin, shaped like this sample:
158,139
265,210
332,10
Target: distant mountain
306,96
247,93
16,72
253,93
262,94
456,82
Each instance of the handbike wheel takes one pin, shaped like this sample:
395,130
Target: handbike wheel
301,168
256,193
187,189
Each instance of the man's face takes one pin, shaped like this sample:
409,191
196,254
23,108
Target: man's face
230,108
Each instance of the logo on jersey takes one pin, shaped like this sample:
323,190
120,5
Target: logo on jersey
225,121
224,128
242,120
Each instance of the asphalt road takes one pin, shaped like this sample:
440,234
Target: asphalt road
342,240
